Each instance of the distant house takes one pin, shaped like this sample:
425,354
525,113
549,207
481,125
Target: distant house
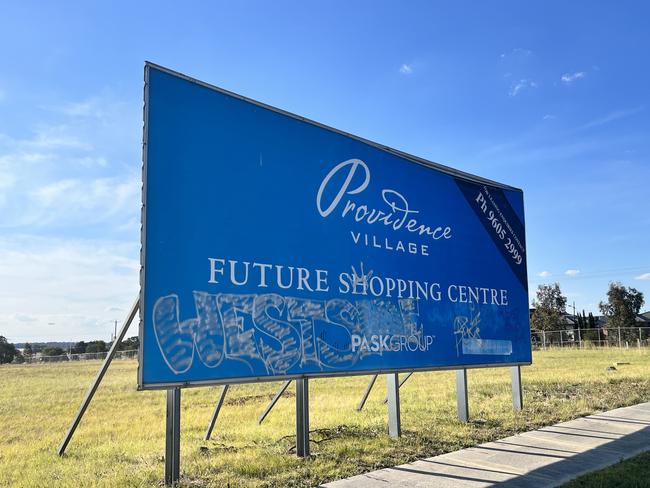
601,321
641,320
569,322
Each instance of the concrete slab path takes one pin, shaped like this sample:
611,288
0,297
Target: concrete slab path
546,457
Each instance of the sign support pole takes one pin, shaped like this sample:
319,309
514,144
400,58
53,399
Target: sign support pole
98,379
394,424
215,414
173,437
517,392
367,392
302,417
275,399
462,403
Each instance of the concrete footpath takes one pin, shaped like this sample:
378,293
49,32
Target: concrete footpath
546,457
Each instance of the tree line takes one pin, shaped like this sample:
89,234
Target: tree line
620,309
10,353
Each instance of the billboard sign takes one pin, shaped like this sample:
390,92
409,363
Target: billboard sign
276,247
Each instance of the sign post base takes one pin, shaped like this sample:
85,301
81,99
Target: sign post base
173,437
517,392
462,402
394,423
302,417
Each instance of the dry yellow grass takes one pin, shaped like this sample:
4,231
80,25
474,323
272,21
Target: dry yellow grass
120,441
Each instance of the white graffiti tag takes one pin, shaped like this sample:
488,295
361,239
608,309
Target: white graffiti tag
271,333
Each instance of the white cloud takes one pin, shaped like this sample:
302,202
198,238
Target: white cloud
90,161
572,272
72,172
22,317
114,310
548,117
517,52
522,84
569,78
57,136
643,277
612,116
544,274
406,69
7,180
48,194
102,106
79,285
81,202
13,167
87,108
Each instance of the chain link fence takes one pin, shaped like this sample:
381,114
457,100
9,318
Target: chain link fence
591,338
36,358
540,339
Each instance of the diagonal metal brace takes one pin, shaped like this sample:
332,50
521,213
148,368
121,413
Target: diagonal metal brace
215,414
98,379
362,402
401,382
275,399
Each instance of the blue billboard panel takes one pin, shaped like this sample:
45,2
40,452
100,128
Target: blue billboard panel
275,247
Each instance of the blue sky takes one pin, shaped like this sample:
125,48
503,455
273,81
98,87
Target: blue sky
551,97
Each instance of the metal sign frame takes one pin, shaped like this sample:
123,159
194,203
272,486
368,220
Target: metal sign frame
257,379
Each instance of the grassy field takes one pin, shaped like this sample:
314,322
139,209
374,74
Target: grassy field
120,441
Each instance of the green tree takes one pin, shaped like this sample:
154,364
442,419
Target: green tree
53,351
129,344
591,321
549,307
581,322
622,306
621,309
28,351
7,351
79,348
96,346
